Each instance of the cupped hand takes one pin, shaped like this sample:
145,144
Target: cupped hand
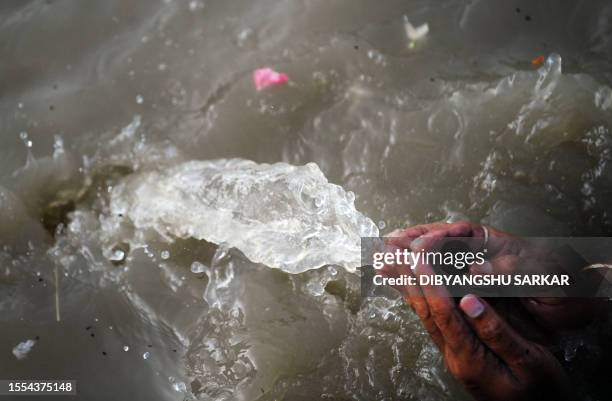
506,254
485,353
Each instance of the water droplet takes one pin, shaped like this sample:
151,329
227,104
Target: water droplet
382,225
162,67
146,355
177,385
58,146
139,99
246,37
126,348
117,255
197,267
20,105
165,255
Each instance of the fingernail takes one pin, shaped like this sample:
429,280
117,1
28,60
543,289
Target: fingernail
472,306
485,268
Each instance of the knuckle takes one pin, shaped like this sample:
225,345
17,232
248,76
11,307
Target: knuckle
421,310
492,331
441,317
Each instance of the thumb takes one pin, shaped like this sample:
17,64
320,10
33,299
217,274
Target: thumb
494,331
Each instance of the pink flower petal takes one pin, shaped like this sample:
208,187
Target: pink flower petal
264,77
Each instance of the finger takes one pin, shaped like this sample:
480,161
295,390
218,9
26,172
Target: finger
415,298
461,229
392,269
452,326
481,268
403,237
494,332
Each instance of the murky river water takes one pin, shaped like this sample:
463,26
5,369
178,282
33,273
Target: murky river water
107,231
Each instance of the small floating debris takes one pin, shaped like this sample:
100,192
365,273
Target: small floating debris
117,255
413,33
126,348
537,61
146,355
265,77
139,99
177,385
197,267
22,349
24,137
165,255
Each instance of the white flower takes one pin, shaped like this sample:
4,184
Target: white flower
415,34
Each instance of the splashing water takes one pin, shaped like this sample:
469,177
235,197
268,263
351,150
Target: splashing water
284,216
461,126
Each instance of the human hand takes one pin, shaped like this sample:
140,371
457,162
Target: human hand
506,254
483,352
